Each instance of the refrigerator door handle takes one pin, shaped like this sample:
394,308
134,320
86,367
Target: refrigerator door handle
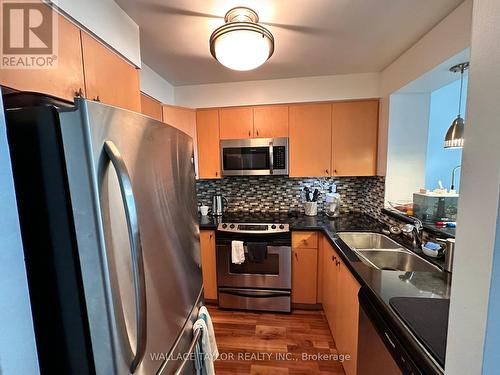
197,336
136,250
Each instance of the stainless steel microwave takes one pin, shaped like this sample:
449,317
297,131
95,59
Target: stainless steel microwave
254,157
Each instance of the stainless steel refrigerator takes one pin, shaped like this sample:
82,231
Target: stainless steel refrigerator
107,207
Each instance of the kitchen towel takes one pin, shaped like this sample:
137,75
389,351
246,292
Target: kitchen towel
203,314
257,251
203,350
237,252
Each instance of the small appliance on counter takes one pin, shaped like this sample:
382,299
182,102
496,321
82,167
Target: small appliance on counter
332,202
218,204
431,207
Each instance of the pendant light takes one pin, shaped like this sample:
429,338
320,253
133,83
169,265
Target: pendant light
455,134
241,43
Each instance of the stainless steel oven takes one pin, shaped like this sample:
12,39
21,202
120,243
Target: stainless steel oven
254,157
264,285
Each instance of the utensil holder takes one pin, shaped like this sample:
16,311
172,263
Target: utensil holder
311,208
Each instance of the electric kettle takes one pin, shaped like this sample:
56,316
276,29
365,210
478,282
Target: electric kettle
218,204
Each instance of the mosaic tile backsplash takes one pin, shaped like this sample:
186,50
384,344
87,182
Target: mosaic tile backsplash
283,194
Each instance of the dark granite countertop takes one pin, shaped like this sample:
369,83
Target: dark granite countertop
382,285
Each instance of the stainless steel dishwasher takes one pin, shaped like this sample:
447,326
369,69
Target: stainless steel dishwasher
374,342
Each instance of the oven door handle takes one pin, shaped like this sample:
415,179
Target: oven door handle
255,293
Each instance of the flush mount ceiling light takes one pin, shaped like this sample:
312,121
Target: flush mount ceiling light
455,134
241,43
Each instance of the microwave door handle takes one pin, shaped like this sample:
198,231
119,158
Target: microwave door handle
135,248
271,157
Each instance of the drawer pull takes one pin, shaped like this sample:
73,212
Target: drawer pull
389,339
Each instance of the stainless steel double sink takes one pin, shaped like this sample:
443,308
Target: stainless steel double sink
381,252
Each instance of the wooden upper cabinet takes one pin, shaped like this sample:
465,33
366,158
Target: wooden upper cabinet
151,107
62,81
236,123
108,77
207,130
270,121
183,119
354,138
310,136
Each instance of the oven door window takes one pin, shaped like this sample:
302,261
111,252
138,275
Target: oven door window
245,158
270,266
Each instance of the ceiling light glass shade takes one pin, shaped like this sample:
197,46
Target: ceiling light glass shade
455,134
241,45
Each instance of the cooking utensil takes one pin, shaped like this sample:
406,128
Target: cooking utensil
307,192
315,195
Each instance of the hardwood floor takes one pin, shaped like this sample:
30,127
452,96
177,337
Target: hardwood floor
268,343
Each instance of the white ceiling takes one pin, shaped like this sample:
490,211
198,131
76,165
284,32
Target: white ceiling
313,37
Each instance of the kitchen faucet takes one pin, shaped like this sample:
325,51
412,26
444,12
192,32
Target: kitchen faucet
452,187
415,230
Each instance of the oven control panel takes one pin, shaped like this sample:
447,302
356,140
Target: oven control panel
253,228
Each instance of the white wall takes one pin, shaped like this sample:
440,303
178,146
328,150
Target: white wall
17,341
407,145
336,87
446,39
109,22
478,223
156,86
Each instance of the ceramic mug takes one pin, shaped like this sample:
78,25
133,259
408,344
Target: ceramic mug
204,210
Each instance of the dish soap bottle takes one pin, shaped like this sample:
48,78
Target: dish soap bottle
333,201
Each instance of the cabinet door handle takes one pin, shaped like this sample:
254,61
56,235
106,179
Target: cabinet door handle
216,174
249,133
79,93
335,171
326,171
337,262
333,258
296,256
257,132
211,235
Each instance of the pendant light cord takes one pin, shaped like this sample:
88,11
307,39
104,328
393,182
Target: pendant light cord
461,87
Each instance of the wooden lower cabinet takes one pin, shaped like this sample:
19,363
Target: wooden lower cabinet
304,275
306,240
330,289
341,306
347,317
208,264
